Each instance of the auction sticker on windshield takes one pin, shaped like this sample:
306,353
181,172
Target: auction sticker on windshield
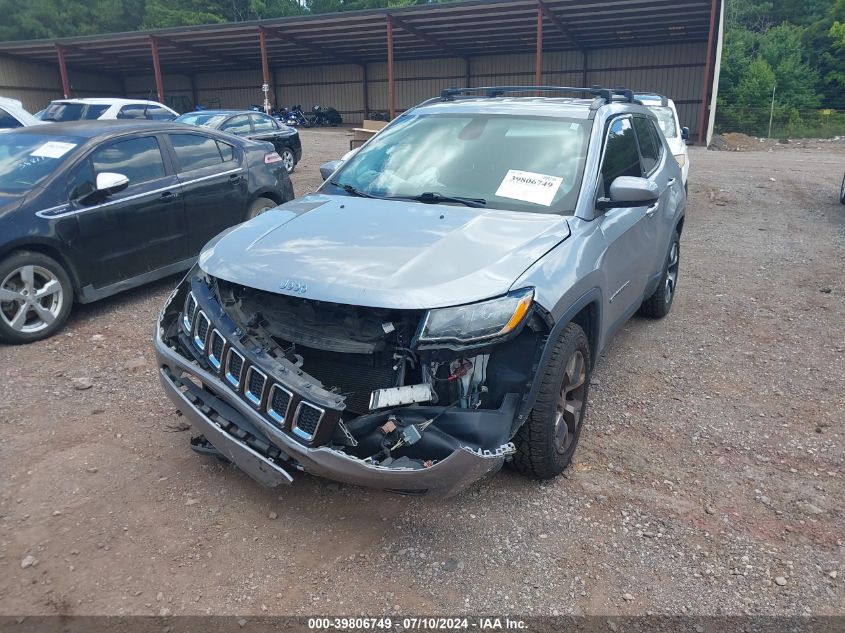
53,149
529,187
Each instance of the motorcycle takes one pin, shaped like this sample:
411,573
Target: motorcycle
325,116
296,117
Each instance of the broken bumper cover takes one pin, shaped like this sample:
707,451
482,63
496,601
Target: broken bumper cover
214,409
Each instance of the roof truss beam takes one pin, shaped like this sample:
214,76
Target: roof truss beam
314,48
435,42
551,17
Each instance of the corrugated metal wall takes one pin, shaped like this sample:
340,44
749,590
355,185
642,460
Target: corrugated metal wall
674,70
35,85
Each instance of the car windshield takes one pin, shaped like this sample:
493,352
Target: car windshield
73,112
199,118
517,163
666,120
27,159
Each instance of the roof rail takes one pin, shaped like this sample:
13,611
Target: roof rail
664,100
605,95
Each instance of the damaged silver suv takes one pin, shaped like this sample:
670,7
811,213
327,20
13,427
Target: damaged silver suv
436,308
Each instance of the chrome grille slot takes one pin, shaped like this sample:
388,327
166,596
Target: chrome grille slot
306,420
278,404
201,331
234,368
188,312
254,385
216,345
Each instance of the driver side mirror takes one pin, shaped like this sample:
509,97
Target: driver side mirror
107,184
327,169
629,191
685,133
110,182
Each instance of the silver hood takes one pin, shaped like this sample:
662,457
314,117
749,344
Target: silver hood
381,253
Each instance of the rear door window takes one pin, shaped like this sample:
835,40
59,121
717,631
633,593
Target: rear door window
237,125
649,146
139,159
621,155
195,151
264,123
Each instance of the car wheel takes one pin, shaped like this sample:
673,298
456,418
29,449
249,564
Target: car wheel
288,159
842,192
35,297
546,442
260,206
659,303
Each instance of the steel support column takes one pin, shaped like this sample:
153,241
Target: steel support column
391,76
365,90
538,68
265,63
60,51
708,75
157,69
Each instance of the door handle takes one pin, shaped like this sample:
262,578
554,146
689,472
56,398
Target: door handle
671,182
168,196
235,179
652,210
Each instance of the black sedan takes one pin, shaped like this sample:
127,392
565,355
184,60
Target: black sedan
88,209
254,125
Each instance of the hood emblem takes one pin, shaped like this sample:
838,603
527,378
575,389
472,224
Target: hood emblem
294,286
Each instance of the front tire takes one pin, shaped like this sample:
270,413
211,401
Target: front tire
659,304
35,297
259,206
546,442
842,192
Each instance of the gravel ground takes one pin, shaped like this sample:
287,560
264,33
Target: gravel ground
709,479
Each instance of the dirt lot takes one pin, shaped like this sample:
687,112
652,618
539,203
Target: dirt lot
710,477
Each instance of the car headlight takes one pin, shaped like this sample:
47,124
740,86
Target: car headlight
681,158
477,321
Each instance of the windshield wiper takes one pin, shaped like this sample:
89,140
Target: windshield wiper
432,197
352,191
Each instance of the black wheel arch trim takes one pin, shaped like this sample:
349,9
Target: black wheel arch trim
591,297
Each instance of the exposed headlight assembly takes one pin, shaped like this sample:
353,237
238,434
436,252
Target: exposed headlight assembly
477,322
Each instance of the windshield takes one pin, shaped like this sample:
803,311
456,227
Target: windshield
198,118
27,159
517,163
666,120
73,112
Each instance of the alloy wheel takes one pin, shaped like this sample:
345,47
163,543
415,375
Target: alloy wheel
288,160
570,403
672,272
31,299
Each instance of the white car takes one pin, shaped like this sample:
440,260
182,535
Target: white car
106,108
677,136
14,115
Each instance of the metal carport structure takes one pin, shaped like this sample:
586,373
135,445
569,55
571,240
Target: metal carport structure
465,31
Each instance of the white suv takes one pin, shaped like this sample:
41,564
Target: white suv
106,108
667,118
14,115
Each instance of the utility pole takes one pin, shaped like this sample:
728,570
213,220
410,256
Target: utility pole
772,111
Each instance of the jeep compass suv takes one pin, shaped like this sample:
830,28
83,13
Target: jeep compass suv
435,308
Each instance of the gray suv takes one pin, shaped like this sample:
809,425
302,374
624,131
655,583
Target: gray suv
436,308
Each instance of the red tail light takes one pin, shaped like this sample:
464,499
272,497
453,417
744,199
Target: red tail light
272,157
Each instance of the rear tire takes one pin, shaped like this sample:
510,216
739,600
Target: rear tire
659,304
288,159
260,206
546,442
36,297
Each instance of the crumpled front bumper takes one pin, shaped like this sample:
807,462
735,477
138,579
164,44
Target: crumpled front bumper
204,409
